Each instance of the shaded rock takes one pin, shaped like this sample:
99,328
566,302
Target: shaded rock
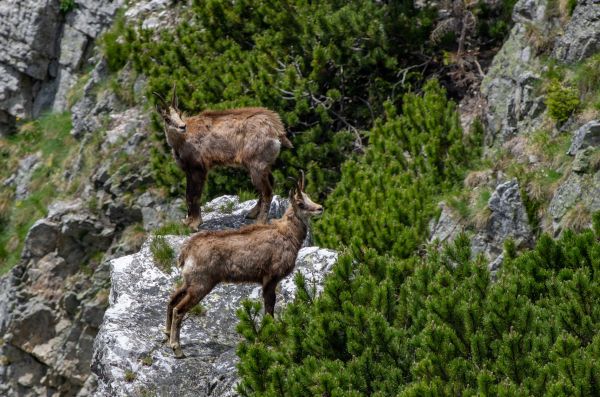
577,189
156,211
581,162
33,326
495,265
85,112
588,135
82,234
508,219
41,52
41,239
122,214
132,329
514,104
581,38
93,312
446,228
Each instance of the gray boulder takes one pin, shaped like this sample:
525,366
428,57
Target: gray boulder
581,38
578,189
129,356
588,135
447,226
508,219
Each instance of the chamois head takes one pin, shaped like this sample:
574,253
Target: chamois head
303,206
170,114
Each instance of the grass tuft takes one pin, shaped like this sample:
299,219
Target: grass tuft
129,376
578,218
173,228
163,253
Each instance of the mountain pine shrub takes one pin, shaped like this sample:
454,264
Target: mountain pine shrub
386,198
562,101
327,67
436,325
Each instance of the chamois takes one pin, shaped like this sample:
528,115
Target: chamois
249,138
260,253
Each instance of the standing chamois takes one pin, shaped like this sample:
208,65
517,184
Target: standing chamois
261,254
249,138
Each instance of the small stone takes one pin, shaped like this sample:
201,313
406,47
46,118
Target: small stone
582,160
70,303
586,136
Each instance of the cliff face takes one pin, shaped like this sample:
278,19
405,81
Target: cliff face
42,48
543,178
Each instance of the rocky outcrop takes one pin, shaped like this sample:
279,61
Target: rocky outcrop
53,302
581,37
51,308
41,50
513,106
446,227
579,189
508,219
130,357
587,136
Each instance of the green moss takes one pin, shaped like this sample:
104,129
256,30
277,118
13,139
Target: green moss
66,6
129,376
197,310
571,4
147,360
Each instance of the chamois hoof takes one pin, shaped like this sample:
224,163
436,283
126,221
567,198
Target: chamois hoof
193,223
178,352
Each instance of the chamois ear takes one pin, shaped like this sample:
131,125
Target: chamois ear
174,100
161,111
292,195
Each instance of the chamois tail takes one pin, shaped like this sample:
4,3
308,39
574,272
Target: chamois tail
285,142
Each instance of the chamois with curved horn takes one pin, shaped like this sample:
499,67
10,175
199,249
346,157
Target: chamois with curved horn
262,254
250,138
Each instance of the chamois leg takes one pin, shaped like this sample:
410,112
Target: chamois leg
262,182
192,297
173,301
193,191
269,296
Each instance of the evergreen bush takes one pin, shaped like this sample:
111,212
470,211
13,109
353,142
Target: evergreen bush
386,198
436,325
562,101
